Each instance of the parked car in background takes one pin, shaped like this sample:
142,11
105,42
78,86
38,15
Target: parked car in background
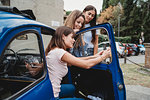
103,46
130,49
136,49
142,49
120,47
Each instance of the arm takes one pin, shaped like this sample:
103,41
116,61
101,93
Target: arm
96,44
91,57
67,57
36,70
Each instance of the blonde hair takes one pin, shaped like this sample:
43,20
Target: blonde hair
70,20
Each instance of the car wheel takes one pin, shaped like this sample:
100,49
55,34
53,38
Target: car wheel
133,53
118,54
143,52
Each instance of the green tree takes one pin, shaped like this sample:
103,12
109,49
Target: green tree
134,19
146,20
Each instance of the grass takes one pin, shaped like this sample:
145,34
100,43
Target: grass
135,75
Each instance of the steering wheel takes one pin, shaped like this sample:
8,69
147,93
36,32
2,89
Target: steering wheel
8,62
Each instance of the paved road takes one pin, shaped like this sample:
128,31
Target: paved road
137,59
137,92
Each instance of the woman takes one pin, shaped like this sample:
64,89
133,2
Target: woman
90,37
58,57
76,21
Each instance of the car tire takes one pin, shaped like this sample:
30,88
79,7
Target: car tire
143,52
119,55
133,53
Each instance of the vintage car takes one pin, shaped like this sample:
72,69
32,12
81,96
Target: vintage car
23,39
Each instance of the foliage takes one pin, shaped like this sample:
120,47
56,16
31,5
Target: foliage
102,38
126,39
128,17
107,3
111,15
68,12
106,15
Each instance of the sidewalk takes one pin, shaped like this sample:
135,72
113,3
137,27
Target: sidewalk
137,92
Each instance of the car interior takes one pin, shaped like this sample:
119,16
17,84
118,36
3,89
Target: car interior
14,75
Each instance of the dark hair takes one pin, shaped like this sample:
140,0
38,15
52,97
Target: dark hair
93,21
57,40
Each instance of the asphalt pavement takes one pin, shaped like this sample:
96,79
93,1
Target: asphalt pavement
137,59
137,92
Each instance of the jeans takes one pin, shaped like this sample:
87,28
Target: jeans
80,51
90,51
67,90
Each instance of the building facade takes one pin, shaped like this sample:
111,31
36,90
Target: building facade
49,12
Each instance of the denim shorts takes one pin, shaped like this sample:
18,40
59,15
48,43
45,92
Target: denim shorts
90,51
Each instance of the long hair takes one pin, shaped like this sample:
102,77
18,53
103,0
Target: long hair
57,40
72,17
93,21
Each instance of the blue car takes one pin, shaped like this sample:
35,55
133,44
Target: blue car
22,41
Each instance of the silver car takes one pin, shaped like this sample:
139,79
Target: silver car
120,47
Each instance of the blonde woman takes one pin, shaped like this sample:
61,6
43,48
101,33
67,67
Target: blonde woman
76,21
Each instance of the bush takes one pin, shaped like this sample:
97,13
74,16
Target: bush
126,39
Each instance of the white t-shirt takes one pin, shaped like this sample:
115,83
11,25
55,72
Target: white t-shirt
57,69
88,37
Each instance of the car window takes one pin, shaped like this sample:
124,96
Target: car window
82,45
103,40
46,40
14,74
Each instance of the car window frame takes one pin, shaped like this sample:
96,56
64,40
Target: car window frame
22,31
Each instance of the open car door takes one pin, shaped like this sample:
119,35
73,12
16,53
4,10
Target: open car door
105,80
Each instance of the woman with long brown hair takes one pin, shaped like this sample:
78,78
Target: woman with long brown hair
90,37
58,57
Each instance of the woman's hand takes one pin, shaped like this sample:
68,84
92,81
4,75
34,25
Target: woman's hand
98,54
106,54
35,69
76,30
